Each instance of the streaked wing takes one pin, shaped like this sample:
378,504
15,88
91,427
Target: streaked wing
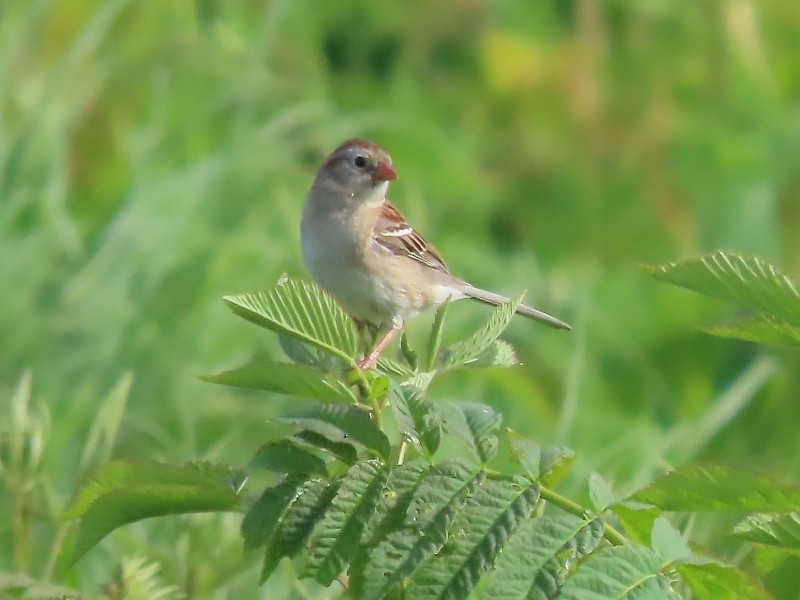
394,234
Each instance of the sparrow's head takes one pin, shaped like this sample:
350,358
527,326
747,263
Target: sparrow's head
360,169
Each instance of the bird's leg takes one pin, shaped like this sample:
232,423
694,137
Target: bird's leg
369,360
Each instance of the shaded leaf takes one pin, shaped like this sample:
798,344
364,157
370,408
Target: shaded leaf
263,518
286,378
302,311
536,560
339,450
418,421
334,539
600,493
284,456
547,465
310,503
637,519
437,499
473,424
668,543
342,423
711,488
490,516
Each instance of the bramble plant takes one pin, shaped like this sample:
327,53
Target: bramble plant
391,493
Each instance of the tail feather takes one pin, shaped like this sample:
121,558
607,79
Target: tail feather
488,297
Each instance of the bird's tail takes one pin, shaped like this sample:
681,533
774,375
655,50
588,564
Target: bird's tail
488,297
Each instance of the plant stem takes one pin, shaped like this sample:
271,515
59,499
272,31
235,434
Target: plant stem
611,534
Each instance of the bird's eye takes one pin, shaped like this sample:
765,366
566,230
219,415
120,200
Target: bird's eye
360,161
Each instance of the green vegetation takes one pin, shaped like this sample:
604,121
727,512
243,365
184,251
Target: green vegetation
154,158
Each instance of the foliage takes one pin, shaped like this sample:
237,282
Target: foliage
154,156
392,517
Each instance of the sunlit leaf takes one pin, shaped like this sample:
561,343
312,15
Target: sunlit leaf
302,311
746,280
713,488
471,350
774,529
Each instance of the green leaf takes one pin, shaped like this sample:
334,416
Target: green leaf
629,571
498,354
342,423
668,543
286,378
297,521
473,424
284,456
759,328
471,350
538,556
334,539
435,337
301,311
781,530
339,450
714,488
745,280
417,419
263,518
546,465
780,571
490,516
429,515
600,493
123,493
637,519
712,581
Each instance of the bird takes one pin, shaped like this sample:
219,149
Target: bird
361,250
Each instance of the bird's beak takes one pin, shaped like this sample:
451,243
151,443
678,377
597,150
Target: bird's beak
384,172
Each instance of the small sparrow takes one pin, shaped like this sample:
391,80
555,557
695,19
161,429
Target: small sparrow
360,249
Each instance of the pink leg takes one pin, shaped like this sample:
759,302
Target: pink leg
369,360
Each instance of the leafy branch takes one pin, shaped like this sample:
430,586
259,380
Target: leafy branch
371,490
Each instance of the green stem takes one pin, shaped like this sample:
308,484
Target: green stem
611,534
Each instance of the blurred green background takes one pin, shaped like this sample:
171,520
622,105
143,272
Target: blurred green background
154,156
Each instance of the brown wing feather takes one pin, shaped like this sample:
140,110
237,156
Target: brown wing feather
393,233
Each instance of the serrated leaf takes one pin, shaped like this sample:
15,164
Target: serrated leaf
286,378
499,354
435,337
668,543
334,539
393,367
341,423
546,465
263,518
780,571
123,493
284,456
429,515
629,571
298,519
302,311
490,516
762,329
637,519
417,419
471,350
714,488
600,494
781,530
713,581
536,560
473,424
339,450
746,280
